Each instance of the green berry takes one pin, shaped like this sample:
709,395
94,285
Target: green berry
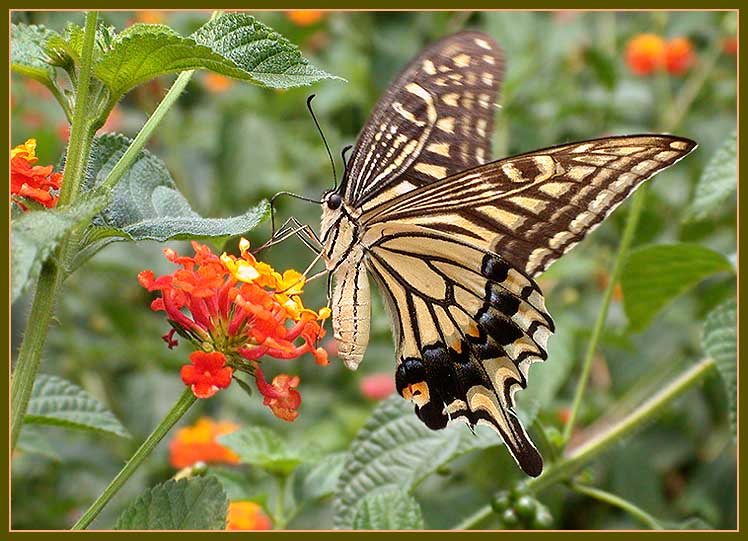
526,507
543,519
519,490
501,502
199,468
510,518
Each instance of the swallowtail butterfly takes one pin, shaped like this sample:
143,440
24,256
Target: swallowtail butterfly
454,240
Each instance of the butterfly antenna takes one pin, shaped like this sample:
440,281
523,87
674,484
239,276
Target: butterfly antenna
324,140
346,148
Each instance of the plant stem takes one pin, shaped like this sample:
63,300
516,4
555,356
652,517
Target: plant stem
280,520
638,513
176,413
81,131
583,453
131,154
637,204
51,274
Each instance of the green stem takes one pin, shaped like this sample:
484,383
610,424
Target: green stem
131,154
638,513
280,520
61,99
81,131
637,205
176,413
583,453
29,356
52,272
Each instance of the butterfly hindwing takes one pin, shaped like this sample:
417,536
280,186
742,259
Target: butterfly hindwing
468,326
434,120
535,207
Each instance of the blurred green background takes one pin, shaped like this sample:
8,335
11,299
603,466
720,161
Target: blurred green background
228,145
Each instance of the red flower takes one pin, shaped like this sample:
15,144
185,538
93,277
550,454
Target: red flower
679,56
645,53
240,309
207,374
377,386
32,182
730,45
280,395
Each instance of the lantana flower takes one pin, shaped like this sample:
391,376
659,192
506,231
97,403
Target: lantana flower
645,53
236,311
29,182
198,443
305,17
247,515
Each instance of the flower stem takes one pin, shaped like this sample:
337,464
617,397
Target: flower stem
176,413
637,204
635,511
131,154
583,453
81,131
51,274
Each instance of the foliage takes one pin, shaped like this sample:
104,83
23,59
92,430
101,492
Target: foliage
239,133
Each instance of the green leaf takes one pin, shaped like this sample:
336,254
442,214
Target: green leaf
394,448
718,182
655,275
36,233
719,340
198,503
234,44
266,449
146,204
262,55
55,401
315,481
388,509
28,43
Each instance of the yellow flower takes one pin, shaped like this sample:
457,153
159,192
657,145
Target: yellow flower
28,148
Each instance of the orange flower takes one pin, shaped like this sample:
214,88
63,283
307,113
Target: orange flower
207,374
377,386
217,83
305,17
198,443
679,56
32,182
280,395
245,515
150,16
240,310
645,53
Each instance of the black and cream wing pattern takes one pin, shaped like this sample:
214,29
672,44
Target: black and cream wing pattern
454,243
435,120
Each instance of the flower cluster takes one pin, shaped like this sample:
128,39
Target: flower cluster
198,443
236,310
29,182
649,53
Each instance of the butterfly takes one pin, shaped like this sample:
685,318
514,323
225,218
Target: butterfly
454,240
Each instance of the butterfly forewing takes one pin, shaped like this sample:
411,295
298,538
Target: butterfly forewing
434,120
535,207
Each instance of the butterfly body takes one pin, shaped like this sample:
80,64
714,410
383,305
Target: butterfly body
453,242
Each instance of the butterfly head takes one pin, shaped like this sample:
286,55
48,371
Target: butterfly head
332,200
